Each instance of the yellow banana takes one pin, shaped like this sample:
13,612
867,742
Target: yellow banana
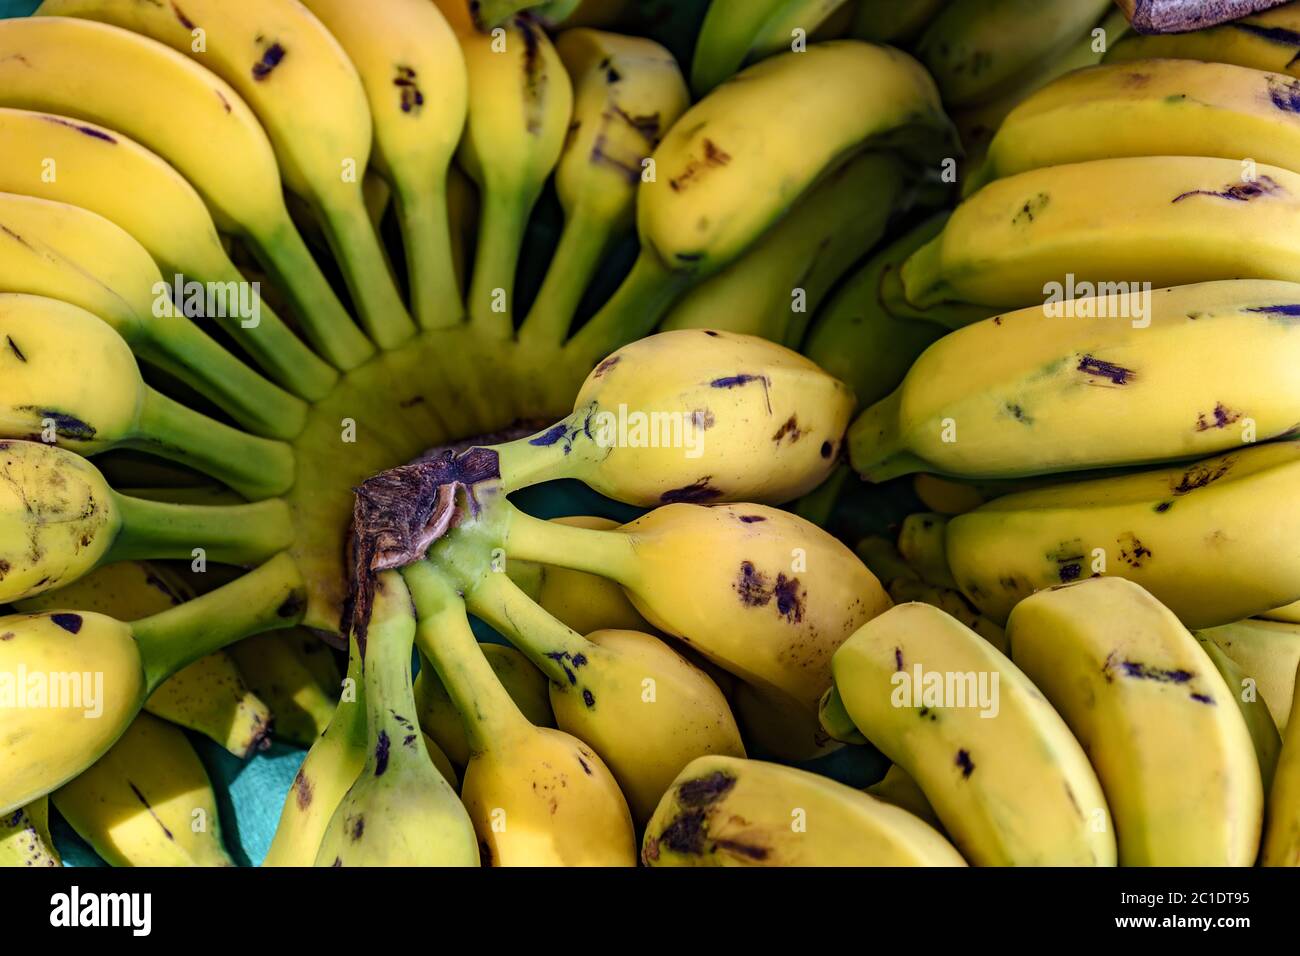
898,788
70,378
307,95
100,170
692,416
1265,41
147,802
628,92
194,120
537,797
1268,652
1174,758
726,811
1289,614
1263,731
921,544
1011,414
274,667
1282,825
946,497
410,63
25,837
1154,528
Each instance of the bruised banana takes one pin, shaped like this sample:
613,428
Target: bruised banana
727,811
1154,528
1268,652
59,520
1254,709
25,837
1265,41
1281,845
694,416
1014,412
1000,768
1175,759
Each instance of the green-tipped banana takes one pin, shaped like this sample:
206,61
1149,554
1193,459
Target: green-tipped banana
726,811
25,837
1268,652
1281,845
1172,752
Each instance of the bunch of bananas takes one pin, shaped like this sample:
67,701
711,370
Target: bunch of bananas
297,298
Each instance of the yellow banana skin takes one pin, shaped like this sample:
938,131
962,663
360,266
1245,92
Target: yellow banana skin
1268,652
1282,825
1263,731
1175,759
752,419
147,802
1290,614
1012,412
898,788
1265,41
25,837
1152,108
275,670
1152,528
1193,219
1012,790
727,811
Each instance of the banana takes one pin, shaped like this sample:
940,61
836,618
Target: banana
736,33
414,76
1263,731
209,696
627,93
1264,41
857,339
1289,614
692,416
1176,762
1013,789
730,168
520,103
1012,413
147,802
896,22
1193,219
774,288
25,837
762,593
1151,108
1282,825
898,788
727,811
75,162
274,667
90,664
194,120
978,49
537,796
59,520
69,377
1268,652
526,685
640,705
307,95
64,252
1154,528
948,498
400,811
921,545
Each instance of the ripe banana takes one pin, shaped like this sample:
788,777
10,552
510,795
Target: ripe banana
410,64
193,120
520,103
731,167
147,802
1012,789
949,498
897,788
1193,219
774,288
1155,528
692,416
273,665
307,95
59,520
1175,760
537,796
1263,731
628,92
209,696
727,811
25,837
1281,845
1290,614
78,163
93,664
1268,652
400,811
51,346
1265,41
921,545
1012,414
978,49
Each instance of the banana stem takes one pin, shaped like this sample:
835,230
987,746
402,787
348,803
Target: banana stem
875,446
503,221
608,554
226,534
490,715
553,647
355,245
556,452
436,296
325,322
632,311
266,599
583,245
255,467
182,349
386,670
